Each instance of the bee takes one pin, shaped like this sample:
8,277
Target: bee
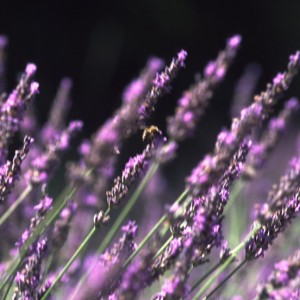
150,132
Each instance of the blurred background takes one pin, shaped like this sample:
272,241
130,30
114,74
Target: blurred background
102,46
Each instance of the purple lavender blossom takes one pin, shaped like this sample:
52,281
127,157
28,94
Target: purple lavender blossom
194,101
205,174
100,152
59,110
12,110
202,230
41,209
273,220
3,45
276,126
106,274
244,89
134,168
62,226
29,277
283,282
161,85
43,166
10,172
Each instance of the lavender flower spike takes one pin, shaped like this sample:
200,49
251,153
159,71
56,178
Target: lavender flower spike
12,110
59,110
283,282
29,277
161,85
41,209
44,165
10,172
276,126
134,168
194,101
212,167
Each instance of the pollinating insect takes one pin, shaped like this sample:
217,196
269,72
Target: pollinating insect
150,133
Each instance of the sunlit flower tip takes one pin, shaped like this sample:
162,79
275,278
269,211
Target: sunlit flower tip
278,79
155,63
210,69
133,90
30,69
235,41
292,104
226,137
220,73
44,205
295,58
75,125
34,88
3,41
277,124
161,80
85,148
130,228
182,57
66,82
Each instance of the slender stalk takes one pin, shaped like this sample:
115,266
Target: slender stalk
207,274
124,213
39,230
235,270
238,187
153,230
163,247
13,207
48,265
225,264
9,289
71,260
127,208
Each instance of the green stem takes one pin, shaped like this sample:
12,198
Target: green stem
12,208
225,264
129,205
163,247
71,260
226,278
207,274
153,230
39,230
238,187
48,265
122,216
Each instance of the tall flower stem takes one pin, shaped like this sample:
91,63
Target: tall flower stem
127,208
13,207
235,270
124,213
225,264
163,247
39,230
153,230
206,275
238,187
68,264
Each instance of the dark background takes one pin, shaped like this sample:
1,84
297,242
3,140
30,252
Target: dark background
102,45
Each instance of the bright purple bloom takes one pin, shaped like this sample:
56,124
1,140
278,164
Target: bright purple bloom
10,172
194,101
250,118
161,85
12,110
28,279
43,166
